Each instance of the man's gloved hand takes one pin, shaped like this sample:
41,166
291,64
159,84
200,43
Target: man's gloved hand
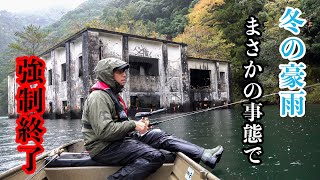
145,120
141,127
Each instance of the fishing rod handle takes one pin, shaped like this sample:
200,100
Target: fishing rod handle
154,123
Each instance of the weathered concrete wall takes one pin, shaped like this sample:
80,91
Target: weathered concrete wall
111,45
58,91
50,89
169,85
185,79
72,89
205,94
12,91
93,54
219,88
224,81
76,81
60,58
173,90
146,84
145,48
138,85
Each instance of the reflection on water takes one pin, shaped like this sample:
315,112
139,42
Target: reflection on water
291,145
59,131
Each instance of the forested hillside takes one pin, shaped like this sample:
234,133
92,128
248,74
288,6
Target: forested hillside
155,18
211,28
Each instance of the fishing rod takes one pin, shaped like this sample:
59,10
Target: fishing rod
146,114
54,154
213,108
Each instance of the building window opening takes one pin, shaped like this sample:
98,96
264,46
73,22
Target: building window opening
65,106
81,104
50,107
63,72
143,66
80,66
222,82
199,79
222,77
100,49
50,76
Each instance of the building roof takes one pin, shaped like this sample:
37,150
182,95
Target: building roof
79,33
206,59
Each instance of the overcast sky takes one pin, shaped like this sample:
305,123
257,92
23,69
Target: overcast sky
29,5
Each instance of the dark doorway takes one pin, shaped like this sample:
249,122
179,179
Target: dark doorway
50,107
199,79
65,106
81,104
63,72
143,66
50,76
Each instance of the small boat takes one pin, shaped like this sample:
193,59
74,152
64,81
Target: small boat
182,167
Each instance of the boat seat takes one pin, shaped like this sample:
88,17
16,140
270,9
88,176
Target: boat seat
67,159
100,172
79,166
182,168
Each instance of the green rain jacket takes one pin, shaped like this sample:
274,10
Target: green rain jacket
99,111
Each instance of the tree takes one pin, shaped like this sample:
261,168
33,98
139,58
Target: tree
311,31
272,36
166,16
231,18
203,37
29,41
96,23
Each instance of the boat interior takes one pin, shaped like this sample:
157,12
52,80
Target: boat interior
73,164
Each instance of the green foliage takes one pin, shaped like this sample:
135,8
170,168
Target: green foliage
231,17
121,20
272,37
173,25
313,77
29,41
165,17
204,39
311,31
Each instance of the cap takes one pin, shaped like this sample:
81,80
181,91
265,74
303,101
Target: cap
122,67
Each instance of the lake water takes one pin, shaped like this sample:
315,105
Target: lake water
291,145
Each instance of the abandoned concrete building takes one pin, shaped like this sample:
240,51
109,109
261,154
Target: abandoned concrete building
160,75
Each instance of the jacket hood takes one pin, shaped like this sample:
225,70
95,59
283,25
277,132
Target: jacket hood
104,72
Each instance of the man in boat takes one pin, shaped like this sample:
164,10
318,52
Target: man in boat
106,130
